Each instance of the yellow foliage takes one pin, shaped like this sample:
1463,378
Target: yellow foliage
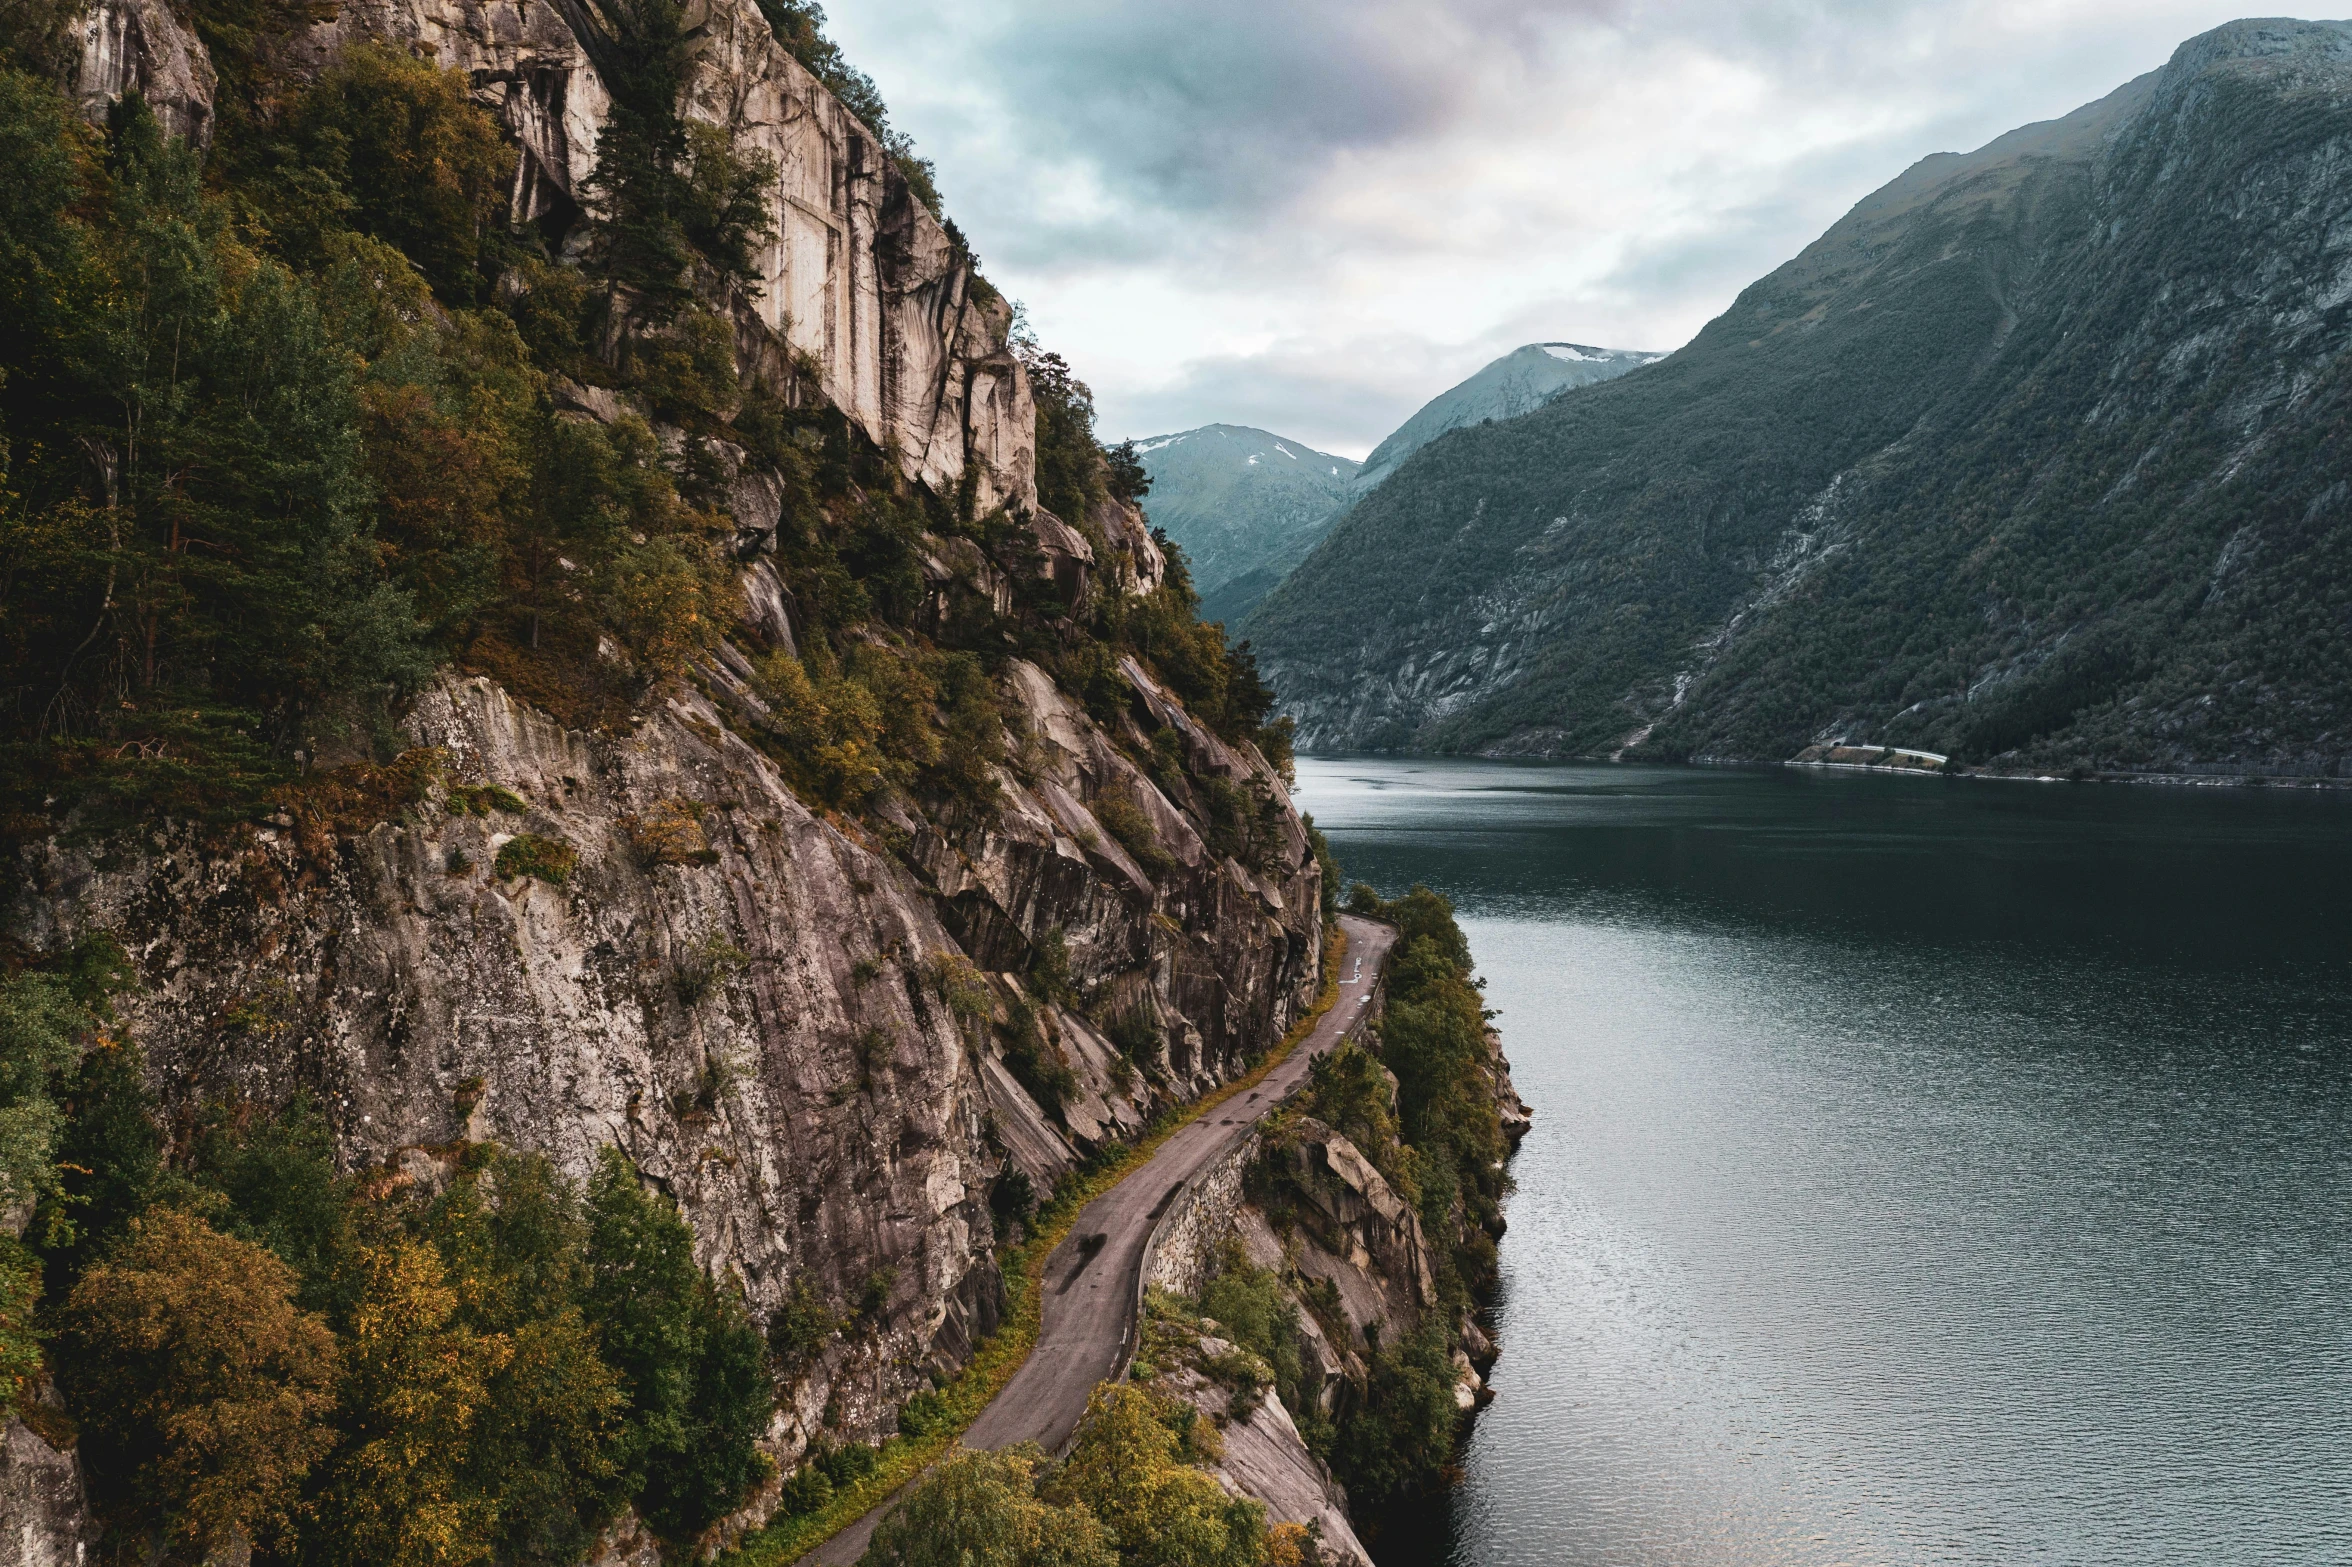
1124,1467
416,1381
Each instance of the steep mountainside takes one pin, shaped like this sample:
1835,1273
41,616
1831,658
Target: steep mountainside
1245,506
2038,458
587,761
1520,382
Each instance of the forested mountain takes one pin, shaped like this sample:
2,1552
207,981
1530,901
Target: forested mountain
1520,382
1244,505
2038,458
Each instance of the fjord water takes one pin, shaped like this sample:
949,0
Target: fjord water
1924,1171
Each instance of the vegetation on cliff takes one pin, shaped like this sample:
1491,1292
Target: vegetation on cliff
284,429
289,427
254,1346
1128,1494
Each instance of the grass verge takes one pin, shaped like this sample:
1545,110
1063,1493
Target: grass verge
1024,1265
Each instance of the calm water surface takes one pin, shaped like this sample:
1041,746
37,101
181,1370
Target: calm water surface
1923,1171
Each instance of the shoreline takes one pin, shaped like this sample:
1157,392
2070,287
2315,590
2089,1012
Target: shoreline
2247,780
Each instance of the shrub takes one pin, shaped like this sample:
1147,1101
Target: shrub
961,986
800,1327
1137,1034
1049,966
808,1491
202,1390
976,1509
1014,1197
1035,1062
1116,809
1125,1468
1251,1309
922,1414
550,860
706,964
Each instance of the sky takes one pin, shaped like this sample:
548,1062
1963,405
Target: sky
1314,215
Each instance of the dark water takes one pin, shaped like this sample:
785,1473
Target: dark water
1923,1171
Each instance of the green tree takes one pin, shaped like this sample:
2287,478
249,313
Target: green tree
201,1390
416,1384
1124,1468
42,1027
689,1361
978,1509
109,1162
393,147
229,567
1402,1437
277,1176
545,1448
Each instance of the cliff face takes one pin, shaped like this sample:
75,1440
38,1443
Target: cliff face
861,281
749,996
1299,1205
814,1106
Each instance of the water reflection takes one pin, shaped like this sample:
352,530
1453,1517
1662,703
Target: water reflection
1924,1171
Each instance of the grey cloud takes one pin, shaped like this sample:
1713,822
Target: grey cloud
1209,151
1228,106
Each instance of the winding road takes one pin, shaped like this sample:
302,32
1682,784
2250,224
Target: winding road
1091,1279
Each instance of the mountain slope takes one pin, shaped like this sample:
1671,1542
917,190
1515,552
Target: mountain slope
1520,382
1246,506
2036,458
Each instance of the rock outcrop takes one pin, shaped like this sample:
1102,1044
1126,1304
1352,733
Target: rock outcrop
1259,1452
144,46
42,1523
1302,1202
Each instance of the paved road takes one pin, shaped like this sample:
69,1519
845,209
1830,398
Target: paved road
1090,1278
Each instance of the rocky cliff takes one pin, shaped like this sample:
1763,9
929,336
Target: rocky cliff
825,1032
860,280
2034,460
1319,1247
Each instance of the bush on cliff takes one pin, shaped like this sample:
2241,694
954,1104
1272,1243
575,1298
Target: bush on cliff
978,1509
691,1366
202,1390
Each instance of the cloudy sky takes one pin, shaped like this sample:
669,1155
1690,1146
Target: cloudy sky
1313,215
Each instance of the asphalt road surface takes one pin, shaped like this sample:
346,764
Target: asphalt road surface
1090,1279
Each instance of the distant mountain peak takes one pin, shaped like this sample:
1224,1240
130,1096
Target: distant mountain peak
1244,504
1520,382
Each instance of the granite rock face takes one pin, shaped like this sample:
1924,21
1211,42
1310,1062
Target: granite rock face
1262,1455
42,1523
143,46
756,1022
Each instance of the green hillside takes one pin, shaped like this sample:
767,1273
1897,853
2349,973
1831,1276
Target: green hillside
2037,458
1246,505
